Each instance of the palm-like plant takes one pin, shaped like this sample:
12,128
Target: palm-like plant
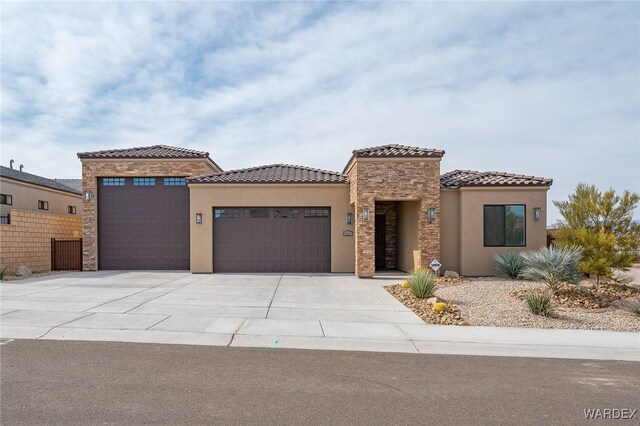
509,265
553,265
422,283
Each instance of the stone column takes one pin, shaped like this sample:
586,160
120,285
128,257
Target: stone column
365,239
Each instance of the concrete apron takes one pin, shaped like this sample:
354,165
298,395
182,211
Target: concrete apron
332,312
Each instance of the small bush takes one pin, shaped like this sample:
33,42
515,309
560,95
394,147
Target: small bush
553,266
422,283
633,306
509,265
539,302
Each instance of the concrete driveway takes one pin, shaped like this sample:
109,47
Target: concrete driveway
328,311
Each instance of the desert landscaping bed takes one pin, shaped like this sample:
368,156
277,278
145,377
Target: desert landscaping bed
497,302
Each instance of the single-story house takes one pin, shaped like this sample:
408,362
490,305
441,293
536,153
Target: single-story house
162,207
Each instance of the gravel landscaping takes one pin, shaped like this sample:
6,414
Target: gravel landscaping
489,302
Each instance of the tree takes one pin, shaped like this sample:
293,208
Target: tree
602,224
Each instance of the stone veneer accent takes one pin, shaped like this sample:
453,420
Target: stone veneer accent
388,208
394,179
27,240
92,169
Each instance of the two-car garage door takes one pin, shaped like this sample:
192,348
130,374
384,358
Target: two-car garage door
272,239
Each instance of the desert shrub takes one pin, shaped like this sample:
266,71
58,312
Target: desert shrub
553,265
509,265
422,283
3,272
633,306
539,302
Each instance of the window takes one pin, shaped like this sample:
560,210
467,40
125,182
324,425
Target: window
174,181
286,213
71,209
112,181
316,212
256,213
43,205
218,213
144,181
6,199
504,225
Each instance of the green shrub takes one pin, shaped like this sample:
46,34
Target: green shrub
553,265
633,306
539,302
422,283
509,265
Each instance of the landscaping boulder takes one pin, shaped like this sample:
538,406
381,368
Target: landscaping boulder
23,271
452,274
432,300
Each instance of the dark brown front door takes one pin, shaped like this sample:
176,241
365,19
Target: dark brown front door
143,226
380,241
272,240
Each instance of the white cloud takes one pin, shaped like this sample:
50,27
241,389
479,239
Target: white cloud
546,89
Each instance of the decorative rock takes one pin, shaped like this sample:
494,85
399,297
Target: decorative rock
23,271
432,300
452,274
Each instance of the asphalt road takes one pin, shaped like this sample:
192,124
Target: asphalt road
58,382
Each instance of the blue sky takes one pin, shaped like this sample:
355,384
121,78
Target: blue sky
549,89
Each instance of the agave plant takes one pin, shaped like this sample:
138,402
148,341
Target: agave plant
539,302
422,283
509,265
553,265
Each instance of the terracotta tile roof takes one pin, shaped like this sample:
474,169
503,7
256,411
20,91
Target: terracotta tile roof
274,173
461,178
154,151
397,151
14,174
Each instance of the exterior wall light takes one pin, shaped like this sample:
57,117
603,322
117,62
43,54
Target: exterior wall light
431,214
537,211
365,214
349,218
199,218
88,195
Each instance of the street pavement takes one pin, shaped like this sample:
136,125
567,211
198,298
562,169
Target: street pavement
68,383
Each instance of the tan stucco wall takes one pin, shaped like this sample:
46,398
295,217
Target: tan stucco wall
477,260
407,223
92,169
205,197
450,230
26,196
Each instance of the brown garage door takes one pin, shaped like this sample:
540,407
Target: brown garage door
272,240
143,223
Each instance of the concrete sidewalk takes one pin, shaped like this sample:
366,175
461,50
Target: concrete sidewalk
333,312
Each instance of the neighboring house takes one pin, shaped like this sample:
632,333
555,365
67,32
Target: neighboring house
71,183
33,210
162,207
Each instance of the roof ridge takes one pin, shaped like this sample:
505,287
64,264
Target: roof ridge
268,166
34,179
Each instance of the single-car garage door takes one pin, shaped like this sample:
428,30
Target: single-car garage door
143,223
272,239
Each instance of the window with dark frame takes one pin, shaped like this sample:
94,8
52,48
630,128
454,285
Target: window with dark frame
228,213
144,181
112,181
286,213
174,181
504,225
6,199
256,213
43,205
71,209
316,212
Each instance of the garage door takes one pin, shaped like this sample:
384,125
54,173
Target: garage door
272,240
143,223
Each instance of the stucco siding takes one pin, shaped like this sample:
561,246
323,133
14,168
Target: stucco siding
450,230
25,196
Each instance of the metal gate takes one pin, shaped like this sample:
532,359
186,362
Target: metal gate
66,255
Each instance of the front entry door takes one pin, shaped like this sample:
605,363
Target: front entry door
381,249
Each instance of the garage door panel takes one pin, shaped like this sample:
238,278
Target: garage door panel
272,244
143,227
